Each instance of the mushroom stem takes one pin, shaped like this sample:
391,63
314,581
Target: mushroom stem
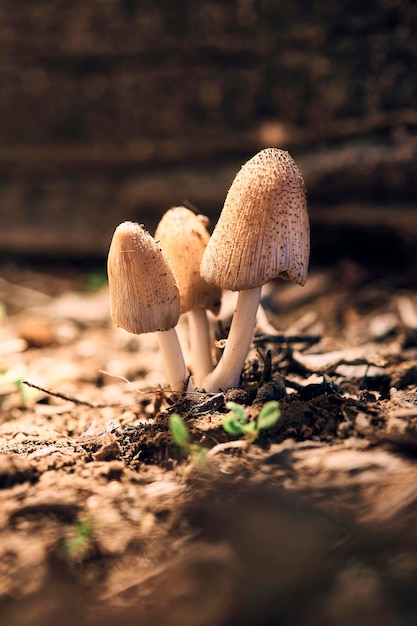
174,365
227,372
199,336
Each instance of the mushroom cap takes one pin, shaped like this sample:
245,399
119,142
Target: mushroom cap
183,237
144,296
263,231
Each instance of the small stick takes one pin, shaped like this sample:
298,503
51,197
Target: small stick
91,405
311,339
62,396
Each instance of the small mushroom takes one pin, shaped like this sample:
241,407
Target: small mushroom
144,296
183,237
262,233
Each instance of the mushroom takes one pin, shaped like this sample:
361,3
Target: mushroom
262,233
144,296
183,237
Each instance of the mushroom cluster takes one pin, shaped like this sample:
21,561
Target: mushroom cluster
262,233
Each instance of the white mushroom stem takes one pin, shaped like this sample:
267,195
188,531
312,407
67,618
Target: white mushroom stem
173,360
183,332
200,344
227,372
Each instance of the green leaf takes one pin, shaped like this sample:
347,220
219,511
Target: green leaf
95,281
238,412
231,426
80,542
269,415
179,431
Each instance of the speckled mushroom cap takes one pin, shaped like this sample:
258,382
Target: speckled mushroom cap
144,296
183,237
263,231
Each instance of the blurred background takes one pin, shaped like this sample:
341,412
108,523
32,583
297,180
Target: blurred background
119,109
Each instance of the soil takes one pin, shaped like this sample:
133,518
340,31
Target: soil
103,519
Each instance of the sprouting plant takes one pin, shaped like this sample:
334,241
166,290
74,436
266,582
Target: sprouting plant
238,424
95,281
181,435
79,543
11,381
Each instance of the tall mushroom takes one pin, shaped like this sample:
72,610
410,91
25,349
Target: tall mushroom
144,296
183,237
262,233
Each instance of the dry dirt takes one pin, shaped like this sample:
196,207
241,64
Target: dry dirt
103,520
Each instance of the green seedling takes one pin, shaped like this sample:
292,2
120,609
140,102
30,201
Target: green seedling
76,547
11,381
238,424
95,281
181,436
180,433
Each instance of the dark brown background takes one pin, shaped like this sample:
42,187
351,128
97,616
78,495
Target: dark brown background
119,109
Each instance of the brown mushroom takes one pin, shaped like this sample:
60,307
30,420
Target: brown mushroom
262,233
144,296
183,237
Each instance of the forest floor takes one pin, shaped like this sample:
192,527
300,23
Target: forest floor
104,520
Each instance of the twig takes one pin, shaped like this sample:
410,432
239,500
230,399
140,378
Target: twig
93,405
311,339
62,396
21,296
